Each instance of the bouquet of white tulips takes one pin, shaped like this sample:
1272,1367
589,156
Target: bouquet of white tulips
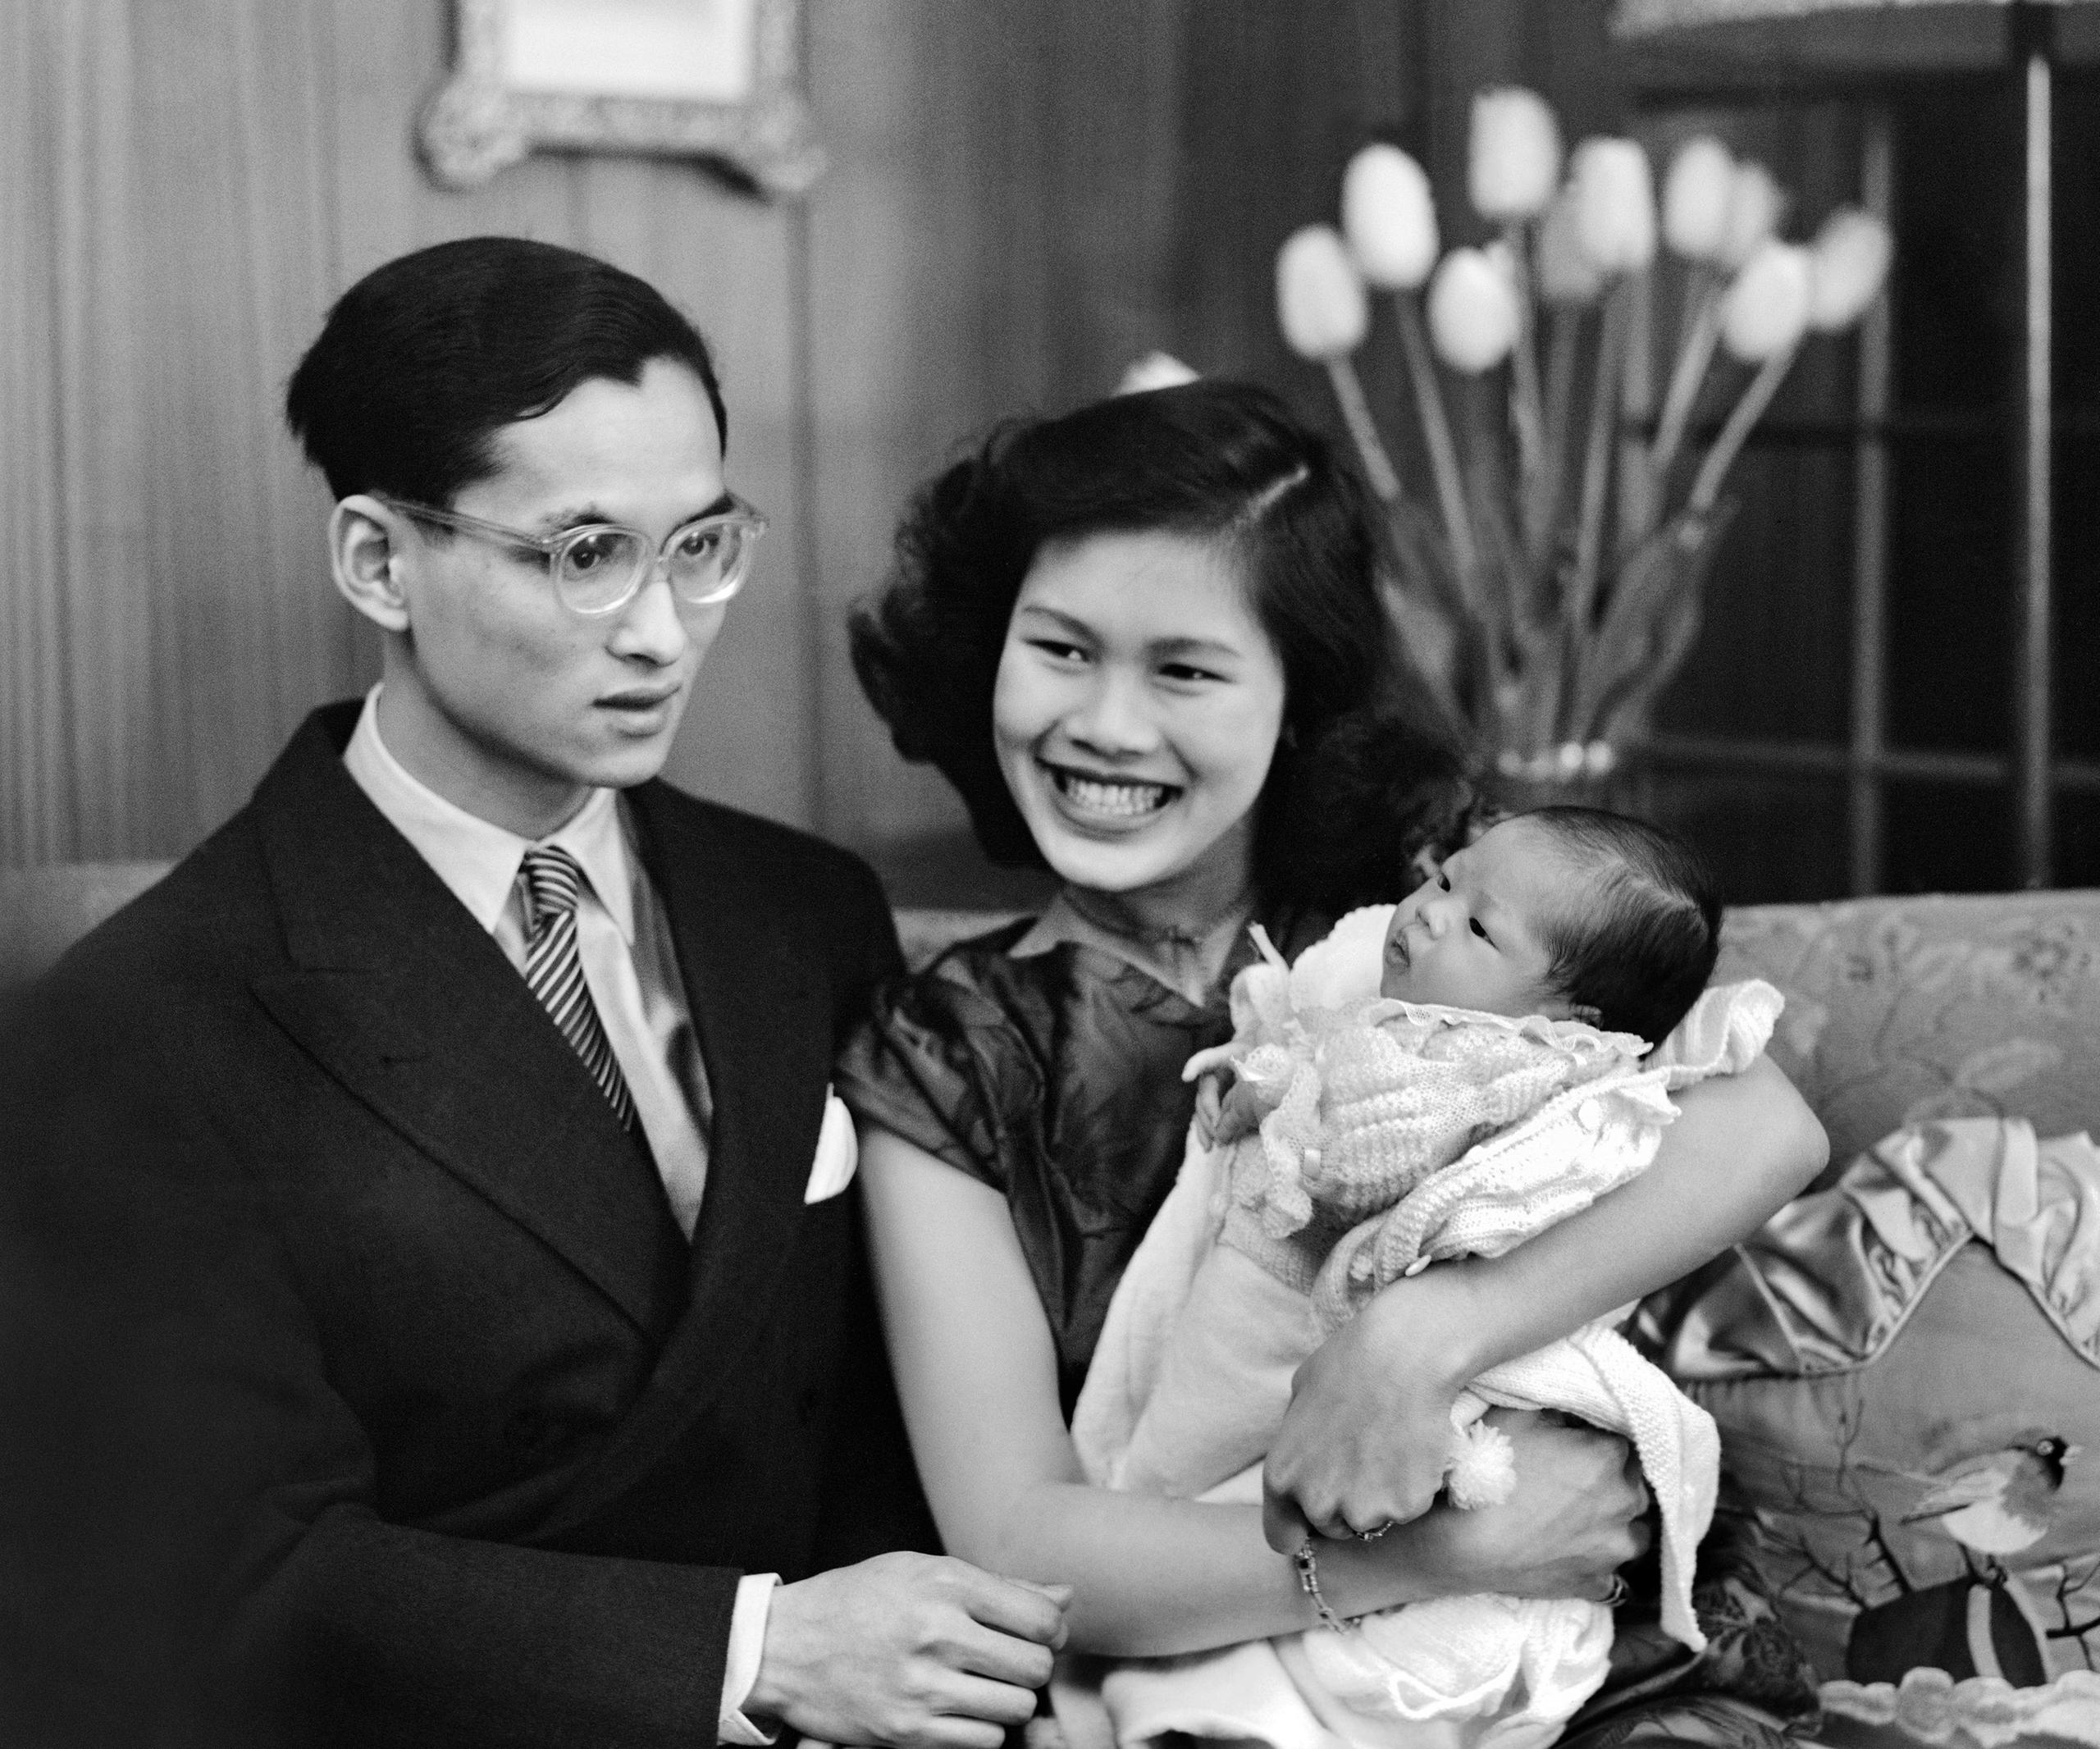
1553,586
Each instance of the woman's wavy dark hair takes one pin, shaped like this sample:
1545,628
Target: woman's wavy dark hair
1366,771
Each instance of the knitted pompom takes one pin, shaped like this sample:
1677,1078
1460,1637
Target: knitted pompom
1483,1470
1044,1733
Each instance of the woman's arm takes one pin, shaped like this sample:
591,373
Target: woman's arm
1365,1440
977,1372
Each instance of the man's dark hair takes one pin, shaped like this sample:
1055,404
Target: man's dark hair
1366,769
424,359
1642,947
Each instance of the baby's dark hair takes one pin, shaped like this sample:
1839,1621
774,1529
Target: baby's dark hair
1642,949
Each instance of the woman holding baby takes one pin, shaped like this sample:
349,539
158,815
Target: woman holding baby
1145,642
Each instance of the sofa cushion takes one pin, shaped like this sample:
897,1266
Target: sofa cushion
1906,1370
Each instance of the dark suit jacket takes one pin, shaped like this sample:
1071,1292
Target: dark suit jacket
473,1445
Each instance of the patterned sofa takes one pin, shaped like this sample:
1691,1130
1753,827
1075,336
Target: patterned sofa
1909,1360
1901,1010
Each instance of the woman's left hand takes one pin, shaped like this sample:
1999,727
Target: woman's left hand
1367,1436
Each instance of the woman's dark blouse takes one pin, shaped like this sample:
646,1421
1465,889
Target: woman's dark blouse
1056,1079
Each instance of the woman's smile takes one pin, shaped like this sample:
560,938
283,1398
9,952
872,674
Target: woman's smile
1109,800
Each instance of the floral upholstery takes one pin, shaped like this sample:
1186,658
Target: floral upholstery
1902,1010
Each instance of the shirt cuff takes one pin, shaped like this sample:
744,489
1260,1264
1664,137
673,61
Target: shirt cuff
747,1647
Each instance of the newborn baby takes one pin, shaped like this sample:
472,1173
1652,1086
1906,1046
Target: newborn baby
1441,1078
1557,948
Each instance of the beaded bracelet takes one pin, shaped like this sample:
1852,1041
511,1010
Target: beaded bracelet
1309,1581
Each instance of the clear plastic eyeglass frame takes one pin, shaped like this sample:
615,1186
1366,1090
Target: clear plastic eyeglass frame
599,568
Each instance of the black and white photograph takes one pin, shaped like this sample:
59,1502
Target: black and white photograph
1049,874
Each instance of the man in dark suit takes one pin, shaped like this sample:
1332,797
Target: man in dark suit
437,1205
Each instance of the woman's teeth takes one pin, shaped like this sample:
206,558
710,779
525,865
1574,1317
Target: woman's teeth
1123,801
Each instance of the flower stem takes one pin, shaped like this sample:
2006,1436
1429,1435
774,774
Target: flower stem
1355,414
1596,459
1756,399
1525,414
1702,332
1436,433
1637,406
1561,361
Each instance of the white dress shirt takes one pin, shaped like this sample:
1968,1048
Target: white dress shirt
630,963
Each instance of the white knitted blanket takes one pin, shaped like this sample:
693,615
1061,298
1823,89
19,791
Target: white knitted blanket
1191,1312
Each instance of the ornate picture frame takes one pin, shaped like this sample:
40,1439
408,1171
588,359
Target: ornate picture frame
716,78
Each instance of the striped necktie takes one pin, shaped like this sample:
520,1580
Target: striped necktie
555,970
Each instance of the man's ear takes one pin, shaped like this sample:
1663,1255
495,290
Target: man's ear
364,539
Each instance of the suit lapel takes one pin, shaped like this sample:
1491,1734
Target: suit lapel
761,1007
400,996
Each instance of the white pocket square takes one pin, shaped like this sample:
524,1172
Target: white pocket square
837,1152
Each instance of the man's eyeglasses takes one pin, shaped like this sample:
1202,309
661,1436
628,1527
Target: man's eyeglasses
601,567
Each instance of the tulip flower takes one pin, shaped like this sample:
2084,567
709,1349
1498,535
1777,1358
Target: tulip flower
1765,312
1388,218
1614,205
1700,202
1568,281
1515,159
1696,195
1567,276
1320,296
1325,314
1513,166
1756,205
1155,370
1555,572
1850,257
1474,314
1763,316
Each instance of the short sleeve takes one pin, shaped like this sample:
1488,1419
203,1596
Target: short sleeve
942,1064
1055,1078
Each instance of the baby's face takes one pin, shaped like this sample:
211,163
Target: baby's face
1468,938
